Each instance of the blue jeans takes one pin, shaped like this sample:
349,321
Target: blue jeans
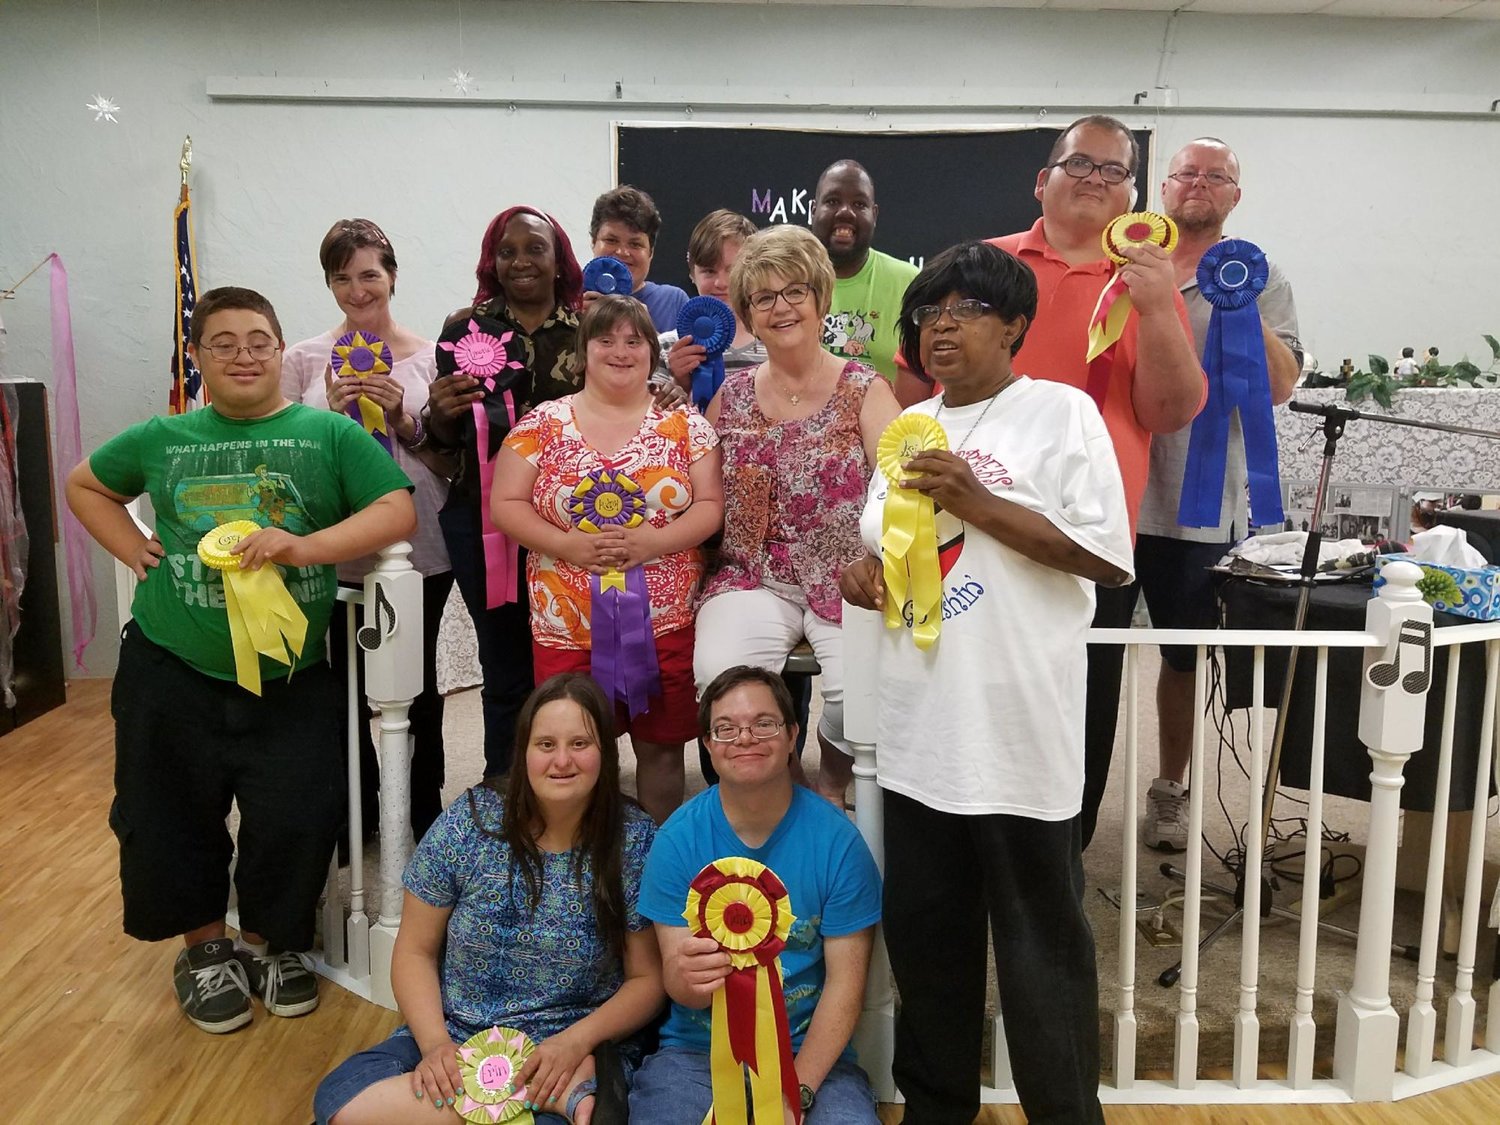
673,1088
398,1055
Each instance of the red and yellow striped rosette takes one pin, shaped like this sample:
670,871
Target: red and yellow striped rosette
264,620
908,530
743,906
1135,228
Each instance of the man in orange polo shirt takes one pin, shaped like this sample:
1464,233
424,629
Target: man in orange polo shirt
1155,382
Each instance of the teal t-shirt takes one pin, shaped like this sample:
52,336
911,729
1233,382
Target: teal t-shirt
864,322
300,469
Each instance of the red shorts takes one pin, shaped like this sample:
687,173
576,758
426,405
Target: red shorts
671,717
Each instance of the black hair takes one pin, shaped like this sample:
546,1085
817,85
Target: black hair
628,205
972,269
230,297
1098,121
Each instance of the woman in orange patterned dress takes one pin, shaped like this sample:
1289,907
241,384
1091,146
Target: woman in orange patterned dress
670,459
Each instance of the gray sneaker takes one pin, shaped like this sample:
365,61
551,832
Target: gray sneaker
213,989
1165,827
284,981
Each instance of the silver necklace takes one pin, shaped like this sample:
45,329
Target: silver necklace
970,431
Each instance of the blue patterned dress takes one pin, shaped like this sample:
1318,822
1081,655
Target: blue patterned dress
540,971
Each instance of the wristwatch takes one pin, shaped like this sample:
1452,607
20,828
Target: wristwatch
808,1097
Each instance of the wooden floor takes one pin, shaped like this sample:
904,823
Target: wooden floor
90,1027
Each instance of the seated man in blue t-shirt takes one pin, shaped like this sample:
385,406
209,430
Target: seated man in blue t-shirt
834,888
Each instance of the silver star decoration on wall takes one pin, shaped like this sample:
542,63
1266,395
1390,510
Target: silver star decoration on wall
104,109
462,81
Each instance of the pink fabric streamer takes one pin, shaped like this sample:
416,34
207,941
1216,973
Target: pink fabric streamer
69,452
501,555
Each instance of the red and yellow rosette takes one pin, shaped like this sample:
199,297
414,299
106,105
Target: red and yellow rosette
489,1063
264,620
1135,228
908,530
744,907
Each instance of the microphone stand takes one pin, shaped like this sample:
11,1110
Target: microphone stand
1335,418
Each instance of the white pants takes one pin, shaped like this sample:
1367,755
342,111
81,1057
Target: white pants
760,627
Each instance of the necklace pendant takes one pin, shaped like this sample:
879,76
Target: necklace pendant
795,399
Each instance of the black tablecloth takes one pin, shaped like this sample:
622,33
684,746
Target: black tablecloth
1253,605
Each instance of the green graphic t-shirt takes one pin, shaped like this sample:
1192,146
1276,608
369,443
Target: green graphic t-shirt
864,321
300,469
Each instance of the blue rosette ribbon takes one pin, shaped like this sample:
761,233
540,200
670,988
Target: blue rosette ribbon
710,322
609,276
1231,276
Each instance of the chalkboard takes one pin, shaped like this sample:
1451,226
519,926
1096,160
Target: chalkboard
934,188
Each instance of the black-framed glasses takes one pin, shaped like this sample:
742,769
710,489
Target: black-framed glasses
760,730
1081,167
1215,179
793,294
925,316
260,352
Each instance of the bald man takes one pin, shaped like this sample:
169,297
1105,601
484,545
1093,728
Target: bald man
1201,190
863,323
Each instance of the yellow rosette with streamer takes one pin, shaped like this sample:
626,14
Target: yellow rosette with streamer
1107,324
743,906
263,617
908,530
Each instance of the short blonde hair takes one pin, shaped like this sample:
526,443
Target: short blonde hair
791,252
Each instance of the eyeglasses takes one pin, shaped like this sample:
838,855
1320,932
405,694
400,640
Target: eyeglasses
1081,167
760,730
925,316
259,352
793,294
1215,179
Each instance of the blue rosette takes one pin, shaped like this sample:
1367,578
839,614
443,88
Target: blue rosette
1232,274
609,276
710,322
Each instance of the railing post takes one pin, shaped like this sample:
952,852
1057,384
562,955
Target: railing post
875,1037
1392,717
391,640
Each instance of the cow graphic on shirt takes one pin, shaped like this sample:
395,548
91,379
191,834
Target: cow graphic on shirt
848,333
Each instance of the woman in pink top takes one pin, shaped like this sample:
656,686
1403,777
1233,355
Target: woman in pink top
670,457
359,268
799,434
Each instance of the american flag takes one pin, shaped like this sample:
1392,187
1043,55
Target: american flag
188,392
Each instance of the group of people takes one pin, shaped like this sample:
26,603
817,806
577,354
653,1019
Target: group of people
545,901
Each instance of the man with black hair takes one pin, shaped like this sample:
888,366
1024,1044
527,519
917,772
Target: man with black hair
624,225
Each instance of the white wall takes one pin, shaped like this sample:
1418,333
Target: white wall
1385,218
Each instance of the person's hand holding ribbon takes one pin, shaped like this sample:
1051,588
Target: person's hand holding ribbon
595,553
863,584
548,1071
1149,276
271,545
436,1075
949,481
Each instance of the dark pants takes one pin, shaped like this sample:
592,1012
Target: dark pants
504,636
426,715
1113,609
186,745
946,875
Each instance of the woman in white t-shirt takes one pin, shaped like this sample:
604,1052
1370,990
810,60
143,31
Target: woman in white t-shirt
980,735
359,268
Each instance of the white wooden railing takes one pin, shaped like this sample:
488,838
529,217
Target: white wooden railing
1391,725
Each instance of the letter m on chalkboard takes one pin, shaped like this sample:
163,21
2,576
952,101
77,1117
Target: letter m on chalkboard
760,204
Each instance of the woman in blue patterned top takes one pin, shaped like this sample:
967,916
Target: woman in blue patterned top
534,892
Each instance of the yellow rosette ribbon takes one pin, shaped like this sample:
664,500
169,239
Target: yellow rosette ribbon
1135,228
908,530
743,906
263,617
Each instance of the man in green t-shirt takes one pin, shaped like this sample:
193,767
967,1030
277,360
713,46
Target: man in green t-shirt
863,323
188,737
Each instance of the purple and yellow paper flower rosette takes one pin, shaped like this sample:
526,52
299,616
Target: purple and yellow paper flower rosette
623,649
908,530
361,353
489,1063
1112,310
264,619
1232,274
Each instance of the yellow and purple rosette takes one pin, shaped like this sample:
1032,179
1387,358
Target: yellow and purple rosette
622,649
490,1064
1112,310
264,620
361,354
1232,274
908,530
743,906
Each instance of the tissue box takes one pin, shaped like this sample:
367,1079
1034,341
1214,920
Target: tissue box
1479,587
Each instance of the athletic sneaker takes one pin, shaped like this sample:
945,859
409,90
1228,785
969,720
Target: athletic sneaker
284,981
213,989
1165,826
